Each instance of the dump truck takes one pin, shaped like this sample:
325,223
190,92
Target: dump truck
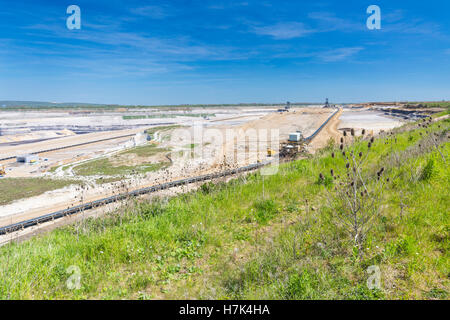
2,171
270,152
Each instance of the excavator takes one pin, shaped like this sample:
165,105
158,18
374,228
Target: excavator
290,148
2,171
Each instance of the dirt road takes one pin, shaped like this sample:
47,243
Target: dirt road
330,131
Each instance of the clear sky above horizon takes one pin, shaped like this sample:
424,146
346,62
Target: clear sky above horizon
175,52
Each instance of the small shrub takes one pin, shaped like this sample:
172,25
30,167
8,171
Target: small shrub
301,286
265,210
152,209
404,246
427,171
207,188
437,293
324,180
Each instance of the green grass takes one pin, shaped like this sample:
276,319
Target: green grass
18,188
153,116
190,146
107,180
441,104
161,128
106,167
228,241
147,150
133,117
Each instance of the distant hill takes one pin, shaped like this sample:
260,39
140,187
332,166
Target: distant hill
11,104
37,104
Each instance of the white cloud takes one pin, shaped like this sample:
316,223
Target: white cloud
154,12
228,5
393,16
284,30
415,26
339,54
329,22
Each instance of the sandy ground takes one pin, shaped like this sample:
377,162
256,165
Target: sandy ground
330,131
33,137
64,156
371,121
63,142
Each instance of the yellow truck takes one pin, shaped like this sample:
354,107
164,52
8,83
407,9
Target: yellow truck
2,171
270,152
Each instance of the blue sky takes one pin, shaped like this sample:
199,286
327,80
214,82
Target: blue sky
175,52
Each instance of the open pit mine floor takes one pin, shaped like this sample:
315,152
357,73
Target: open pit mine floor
305,120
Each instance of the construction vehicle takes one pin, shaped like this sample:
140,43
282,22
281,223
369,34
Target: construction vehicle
270,152
293,146
290,148
2,171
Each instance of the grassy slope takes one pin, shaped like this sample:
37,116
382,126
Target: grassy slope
440,104
17,188
230,241
105,167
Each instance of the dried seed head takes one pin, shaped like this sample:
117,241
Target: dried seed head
360,154
363,132
372,140
362,194
352,131
345,133
343,153
369,145
347,165
332,154
332,172
342,140
321,176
